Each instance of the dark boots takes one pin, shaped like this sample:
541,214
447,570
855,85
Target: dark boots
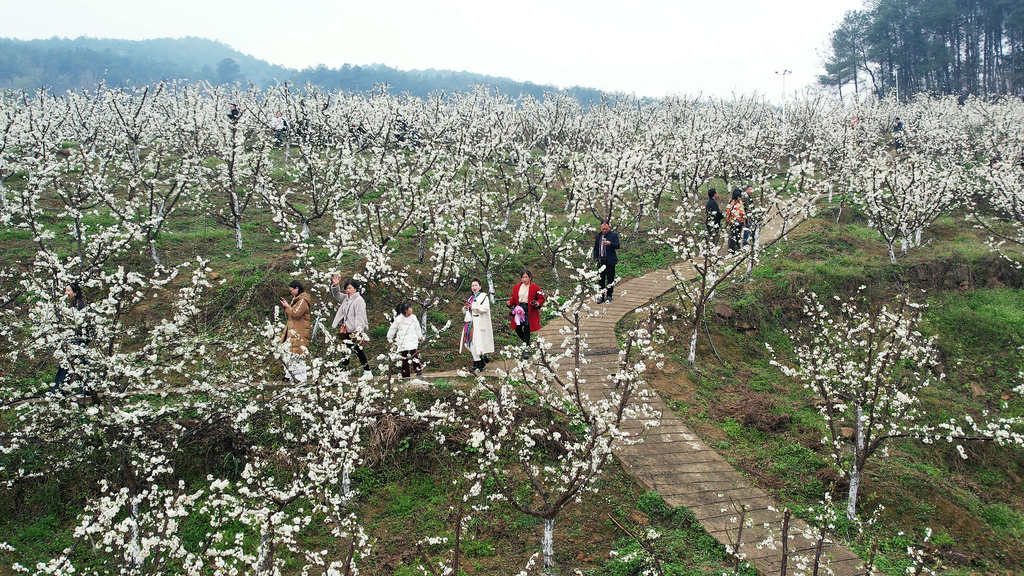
478,366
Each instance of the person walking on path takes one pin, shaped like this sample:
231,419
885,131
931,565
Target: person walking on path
296,331
606,243
405,333
525,303
735,217
477,334
714,217
350,320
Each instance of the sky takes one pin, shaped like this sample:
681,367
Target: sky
642,47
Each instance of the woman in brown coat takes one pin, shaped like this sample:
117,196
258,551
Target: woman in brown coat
297,330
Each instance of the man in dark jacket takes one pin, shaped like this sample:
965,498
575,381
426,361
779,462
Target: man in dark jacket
714,216
605,244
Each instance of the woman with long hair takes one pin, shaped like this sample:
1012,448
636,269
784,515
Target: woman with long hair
296,331
477,334
525,303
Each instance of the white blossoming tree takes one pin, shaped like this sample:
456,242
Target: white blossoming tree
869,365
542,454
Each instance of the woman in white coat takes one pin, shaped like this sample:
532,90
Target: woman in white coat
477,334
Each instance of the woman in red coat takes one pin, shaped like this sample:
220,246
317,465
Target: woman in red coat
525,303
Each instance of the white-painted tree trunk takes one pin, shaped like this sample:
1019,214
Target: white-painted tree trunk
238,234
892,253
134,546
346,482
490,281
264,551
548,543
693,346
858,429
305,230
917,236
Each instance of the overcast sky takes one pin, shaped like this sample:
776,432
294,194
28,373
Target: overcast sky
650,48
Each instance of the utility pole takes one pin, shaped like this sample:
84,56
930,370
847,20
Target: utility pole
784,73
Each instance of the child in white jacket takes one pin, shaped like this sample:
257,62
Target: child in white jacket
405,332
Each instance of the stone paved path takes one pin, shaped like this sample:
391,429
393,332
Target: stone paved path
676,464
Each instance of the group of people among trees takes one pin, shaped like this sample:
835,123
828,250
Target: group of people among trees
406,334
739,217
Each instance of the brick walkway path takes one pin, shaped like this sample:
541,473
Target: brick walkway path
676,464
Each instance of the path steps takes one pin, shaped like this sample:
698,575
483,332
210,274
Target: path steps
676,464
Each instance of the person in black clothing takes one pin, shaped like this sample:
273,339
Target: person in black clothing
235,113
714,216
605,244
897,136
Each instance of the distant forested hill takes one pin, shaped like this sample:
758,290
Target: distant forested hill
70,64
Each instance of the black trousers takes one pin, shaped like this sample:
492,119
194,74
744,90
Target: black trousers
607,278
523,330
354,346
411,357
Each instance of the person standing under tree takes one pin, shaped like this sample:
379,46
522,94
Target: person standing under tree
280,126
477,334
350,320
525,303
296,331
714,216
750,210
605,245
405,333
735,217
75,360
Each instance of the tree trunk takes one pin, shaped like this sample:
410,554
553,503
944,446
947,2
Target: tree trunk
858,451
305,230
851,498
490,281
693,346
263,557
136,548
548,543
238,234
